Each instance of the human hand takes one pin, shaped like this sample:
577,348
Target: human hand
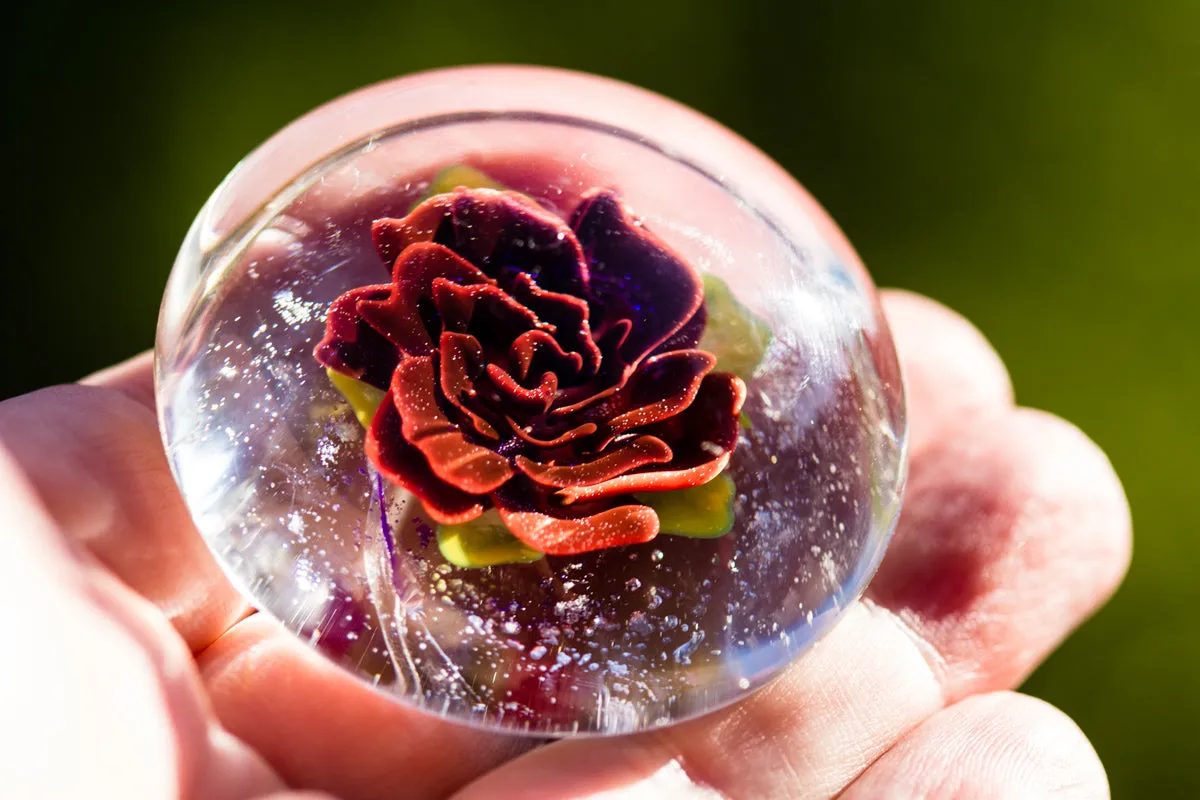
135,670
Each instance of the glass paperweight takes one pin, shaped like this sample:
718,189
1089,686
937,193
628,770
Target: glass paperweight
533,399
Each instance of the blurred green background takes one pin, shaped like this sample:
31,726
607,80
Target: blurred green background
1033,164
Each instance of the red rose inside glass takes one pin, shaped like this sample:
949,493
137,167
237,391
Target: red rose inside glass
546,368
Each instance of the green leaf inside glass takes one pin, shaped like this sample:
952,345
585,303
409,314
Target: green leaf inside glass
483,542
701,512
737,337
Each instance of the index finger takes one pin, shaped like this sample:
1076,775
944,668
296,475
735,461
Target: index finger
94,456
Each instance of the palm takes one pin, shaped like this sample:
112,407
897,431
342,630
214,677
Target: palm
1014,530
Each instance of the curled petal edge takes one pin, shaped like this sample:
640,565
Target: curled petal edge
652,481
556,536
638,453
451,456
402,464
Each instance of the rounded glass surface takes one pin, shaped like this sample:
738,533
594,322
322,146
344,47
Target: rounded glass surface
359,539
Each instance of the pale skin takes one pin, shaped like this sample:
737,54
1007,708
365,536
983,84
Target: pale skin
131,668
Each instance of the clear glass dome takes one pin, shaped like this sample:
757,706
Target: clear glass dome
273,463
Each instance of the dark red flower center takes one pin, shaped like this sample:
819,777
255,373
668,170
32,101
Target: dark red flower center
544,368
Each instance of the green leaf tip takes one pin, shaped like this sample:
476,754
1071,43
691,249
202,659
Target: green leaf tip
483,542
734,334
450,178
362,397
701,512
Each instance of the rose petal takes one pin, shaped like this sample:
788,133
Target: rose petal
633,275
611,339
538,352
494,230
498,230
614,371
351,346
560,536
688,336
650,481
630,455
568,315
392,236
451,456
462,366
660,387
702,439
401,316
483,309
535,400
708,428
558,440
591,397
402,464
